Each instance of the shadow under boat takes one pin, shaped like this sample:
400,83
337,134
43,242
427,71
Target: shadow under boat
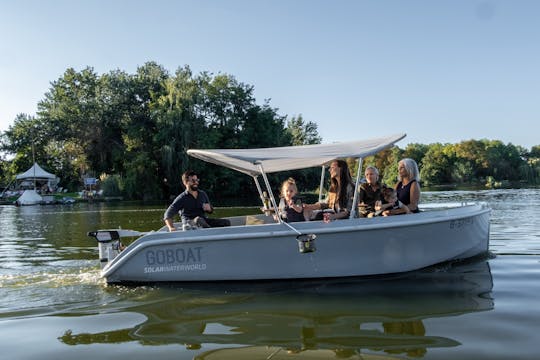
383,313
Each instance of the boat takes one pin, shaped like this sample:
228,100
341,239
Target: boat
260,247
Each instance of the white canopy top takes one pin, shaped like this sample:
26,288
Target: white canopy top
292,157
35,172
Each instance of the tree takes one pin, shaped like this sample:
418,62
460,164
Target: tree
25,139
535,152
388,163
436,166
415,151
303,133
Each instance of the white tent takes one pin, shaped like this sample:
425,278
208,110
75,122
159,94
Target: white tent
36,172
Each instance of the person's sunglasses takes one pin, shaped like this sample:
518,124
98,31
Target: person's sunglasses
195,180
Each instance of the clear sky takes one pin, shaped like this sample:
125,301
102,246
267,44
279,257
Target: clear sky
438,70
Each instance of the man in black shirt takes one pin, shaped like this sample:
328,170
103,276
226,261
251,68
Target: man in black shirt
192,205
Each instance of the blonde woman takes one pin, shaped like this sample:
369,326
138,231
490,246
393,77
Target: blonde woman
408,187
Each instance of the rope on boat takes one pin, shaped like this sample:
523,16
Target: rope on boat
292,228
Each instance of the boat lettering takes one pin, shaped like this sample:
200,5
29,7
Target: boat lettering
169,268
174,256
456,224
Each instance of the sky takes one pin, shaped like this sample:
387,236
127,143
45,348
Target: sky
441,71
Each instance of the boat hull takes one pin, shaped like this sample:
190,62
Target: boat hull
29,197
354,247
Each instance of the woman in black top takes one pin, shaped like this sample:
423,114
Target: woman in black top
408,187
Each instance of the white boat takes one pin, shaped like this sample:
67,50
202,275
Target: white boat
29,197
258,247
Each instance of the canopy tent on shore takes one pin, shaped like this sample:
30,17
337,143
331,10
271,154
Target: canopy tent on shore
36,173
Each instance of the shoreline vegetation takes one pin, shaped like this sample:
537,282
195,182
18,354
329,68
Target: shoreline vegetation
237,203
130,132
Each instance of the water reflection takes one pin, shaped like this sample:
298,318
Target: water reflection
346,317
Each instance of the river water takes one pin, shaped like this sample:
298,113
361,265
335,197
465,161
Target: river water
53,304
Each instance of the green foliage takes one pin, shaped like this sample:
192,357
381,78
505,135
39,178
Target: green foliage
436,167
112,185
415,152
139,126
388,168
535,152
303,133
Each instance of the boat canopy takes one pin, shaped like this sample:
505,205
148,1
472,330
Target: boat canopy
285,158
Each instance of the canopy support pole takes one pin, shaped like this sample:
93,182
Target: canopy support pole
270,192
321,186
256,179
354,209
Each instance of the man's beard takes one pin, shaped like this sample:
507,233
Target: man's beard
193,187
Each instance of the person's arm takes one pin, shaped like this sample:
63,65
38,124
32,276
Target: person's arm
296,205
415,196
340,215
403,209
384,206
207,207
170,224
171,212
316,206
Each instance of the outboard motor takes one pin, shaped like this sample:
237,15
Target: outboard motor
108,244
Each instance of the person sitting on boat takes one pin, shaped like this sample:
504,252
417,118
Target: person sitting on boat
290,206
392,205
408,187
340,194
369,192
192,205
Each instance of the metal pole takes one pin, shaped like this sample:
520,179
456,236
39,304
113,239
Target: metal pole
322,184
355,198
255,178
270,193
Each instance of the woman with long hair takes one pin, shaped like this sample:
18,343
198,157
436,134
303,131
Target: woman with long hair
408,187
340,194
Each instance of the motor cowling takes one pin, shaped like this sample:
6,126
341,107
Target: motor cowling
108,244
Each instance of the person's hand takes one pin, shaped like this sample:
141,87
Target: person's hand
206,207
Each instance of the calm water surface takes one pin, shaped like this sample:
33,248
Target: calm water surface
54,305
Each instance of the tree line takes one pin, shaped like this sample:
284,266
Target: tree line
132,131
